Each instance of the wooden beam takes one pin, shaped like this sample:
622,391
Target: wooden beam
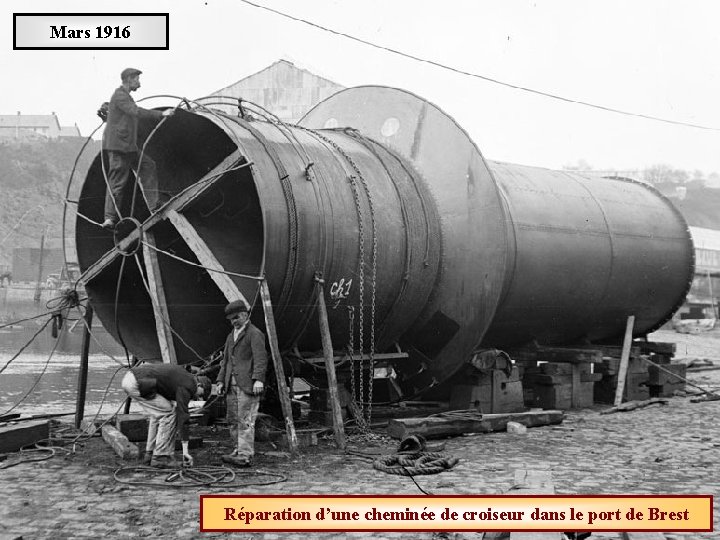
14,436
376,356
157,296
455,423
83,371
624,360
178,202
277,362
206,257
338,427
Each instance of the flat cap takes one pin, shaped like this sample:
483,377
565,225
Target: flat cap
236,306
129,72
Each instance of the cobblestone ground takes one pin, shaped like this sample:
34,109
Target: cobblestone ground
671,449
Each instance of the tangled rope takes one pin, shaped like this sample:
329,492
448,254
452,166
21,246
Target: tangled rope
416,463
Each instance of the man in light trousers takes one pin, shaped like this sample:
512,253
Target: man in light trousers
242,376
164,392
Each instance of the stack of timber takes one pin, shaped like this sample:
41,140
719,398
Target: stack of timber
636,379
489,383
665,378
559,378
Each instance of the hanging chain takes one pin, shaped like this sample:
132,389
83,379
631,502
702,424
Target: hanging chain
361,274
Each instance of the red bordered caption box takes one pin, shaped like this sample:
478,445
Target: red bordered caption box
455,513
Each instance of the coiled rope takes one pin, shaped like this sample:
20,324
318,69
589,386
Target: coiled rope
416,463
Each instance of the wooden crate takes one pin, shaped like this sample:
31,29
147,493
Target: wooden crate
490,391
559,385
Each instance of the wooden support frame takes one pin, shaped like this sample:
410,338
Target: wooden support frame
206,257
624,360
231,291
83,371
277,362
177,203
157,296
338,426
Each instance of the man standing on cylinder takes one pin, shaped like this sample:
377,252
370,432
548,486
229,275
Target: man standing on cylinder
120,143
164,392
242,374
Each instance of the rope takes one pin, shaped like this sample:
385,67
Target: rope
26,345
188,477
47,363
190,263
416,463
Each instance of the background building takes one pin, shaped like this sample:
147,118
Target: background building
22,127
283,89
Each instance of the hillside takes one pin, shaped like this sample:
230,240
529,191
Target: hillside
34,177
33,181
700,206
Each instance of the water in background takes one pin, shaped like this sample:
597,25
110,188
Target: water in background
56,390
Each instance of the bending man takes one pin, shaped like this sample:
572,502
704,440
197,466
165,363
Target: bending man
164,391
242,373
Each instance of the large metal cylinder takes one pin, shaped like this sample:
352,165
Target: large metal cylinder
453,252
586,253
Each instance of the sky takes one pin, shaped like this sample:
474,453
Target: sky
652,57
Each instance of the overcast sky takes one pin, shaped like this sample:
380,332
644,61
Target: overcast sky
659,58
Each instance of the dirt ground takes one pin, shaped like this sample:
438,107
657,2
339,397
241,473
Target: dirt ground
673,448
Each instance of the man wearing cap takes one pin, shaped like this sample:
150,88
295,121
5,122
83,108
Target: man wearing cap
242,374
164,392
120,144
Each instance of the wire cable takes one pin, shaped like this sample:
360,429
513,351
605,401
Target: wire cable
479,76
26,346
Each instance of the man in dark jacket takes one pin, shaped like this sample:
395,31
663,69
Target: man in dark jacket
120,143
242,373
164,391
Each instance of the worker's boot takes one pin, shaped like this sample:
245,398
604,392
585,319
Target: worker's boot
147,457
235,459
164,462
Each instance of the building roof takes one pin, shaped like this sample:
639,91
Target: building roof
279,65
29,120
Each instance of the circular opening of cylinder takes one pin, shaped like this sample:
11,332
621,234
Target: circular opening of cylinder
219,229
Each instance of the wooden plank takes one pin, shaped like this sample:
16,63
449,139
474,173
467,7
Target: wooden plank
657,347
176,203
14,436
457,423
624,359
377,356
277,362
571,356
157,295
338,427
119,443
206,257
